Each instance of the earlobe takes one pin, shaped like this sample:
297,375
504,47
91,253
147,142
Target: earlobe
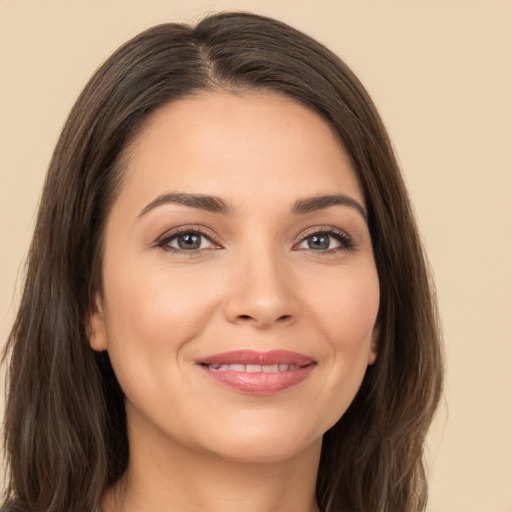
372,353
96,331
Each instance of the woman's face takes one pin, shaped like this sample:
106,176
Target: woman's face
240,292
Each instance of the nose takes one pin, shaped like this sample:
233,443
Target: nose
262,292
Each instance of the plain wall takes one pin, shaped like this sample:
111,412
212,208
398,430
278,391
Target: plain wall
441,75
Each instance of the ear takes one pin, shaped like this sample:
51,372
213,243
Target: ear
97,332
372,353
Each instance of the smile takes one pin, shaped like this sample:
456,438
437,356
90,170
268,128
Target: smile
260,373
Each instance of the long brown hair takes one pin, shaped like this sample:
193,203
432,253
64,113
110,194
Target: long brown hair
65,425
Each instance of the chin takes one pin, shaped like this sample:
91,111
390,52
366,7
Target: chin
261,445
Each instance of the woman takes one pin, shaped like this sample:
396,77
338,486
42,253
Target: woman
226,304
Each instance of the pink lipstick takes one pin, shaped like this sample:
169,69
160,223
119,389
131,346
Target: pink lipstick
261,373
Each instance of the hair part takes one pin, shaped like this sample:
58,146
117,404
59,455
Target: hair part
65,423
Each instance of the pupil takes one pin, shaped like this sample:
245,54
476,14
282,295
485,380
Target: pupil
189,241
318,242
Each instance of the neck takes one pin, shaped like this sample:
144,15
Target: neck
166,476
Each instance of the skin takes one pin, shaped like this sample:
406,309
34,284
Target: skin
254,283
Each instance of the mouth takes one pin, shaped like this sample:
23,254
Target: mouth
260,373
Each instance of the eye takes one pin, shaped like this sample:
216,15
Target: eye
187,241
328,240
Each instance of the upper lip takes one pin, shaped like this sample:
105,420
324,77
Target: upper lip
254,357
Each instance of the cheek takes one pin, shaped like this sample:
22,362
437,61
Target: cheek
151,312
347,308
154,314
345,318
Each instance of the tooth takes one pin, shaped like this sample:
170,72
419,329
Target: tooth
255,368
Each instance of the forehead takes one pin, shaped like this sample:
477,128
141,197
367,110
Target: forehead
235,144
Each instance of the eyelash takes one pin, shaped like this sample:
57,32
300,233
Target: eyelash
346,244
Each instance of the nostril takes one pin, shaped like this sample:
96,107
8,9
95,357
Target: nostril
282,318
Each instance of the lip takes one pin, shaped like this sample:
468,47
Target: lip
284,369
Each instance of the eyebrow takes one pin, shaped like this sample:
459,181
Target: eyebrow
312,204
200,201
217,205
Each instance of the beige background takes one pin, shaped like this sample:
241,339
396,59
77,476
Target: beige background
441,74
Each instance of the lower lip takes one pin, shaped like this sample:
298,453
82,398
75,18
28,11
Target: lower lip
259,383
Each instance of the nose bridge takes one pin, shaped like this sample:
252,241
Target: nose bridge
261,291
